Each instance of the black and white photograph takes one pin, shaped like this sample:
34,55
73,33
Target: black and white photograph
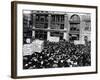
53,39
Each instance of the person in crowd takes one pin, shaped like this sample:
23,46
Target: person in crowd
59,54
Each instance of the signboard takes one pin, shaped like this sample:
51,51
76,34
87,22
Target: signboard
35,46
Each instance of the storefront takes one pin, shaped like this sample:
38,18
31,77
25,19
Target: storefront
55,26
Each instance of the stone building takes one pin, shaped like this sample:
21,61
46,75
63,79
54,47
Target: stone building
55,26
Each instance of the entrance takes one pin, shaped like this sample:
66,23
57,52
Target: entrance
73,37
41,35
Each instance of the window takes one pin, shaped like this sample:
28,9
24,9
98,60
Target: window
57,21
27,20
75,19
87,26
74,37
41,21
75,24
62,26
85,38
57,34
27,27
40,34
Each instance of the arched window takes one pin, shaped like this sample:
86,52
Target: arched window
75,19
74,27
75,23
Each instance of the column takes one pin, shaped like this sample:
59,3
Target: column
49,23
34,18
66,26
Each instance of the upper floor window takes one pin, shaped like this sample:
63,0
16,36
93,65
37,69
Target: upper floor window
75,19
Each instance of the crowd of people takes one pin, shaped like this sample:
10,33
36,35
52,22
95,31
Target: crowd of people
59,54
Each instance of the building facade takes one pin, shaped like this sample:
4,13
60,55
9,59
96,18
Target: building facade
55,26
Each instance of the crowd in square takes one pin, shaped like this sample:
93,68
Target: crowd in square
59,54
